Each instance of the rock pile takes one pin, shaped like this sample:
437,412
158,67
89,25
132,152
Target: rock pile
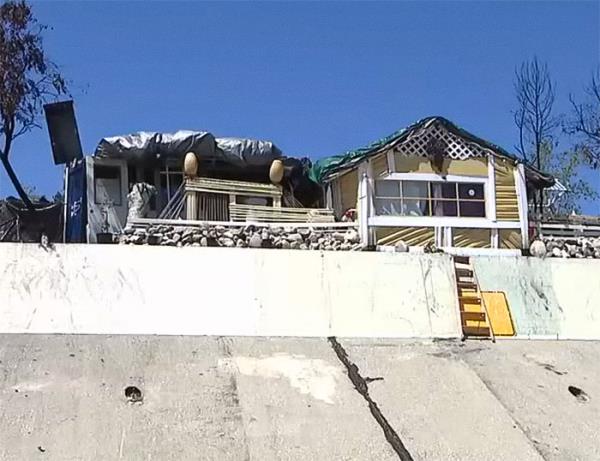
244,236
576,247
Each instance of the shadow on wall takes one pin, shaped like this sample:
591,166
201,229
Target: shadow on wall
528,284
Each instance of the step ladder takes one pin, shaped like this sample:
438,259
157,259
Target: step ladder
474,316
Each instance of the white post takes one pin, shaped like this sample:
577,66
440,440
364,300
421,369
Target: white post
329,197
363,204
495,243
490,198
66,199
521,187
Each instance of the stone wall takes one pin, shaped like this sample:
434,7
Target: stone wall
574,247
245,235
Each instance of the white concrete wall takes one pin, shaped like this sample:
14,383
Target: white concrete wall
548,298
210,291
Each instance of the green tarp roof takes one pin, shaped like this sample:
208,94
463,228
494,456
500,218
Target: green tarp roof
325,167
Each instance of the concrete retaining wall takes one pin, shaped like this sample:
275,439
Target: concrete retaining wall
554,298
210,291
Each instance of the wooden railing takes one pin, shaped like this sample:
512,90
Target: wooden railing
257,213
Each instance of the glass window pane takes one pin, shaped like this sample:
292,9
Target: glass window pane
388,207
445,208
448,190
386,188
416,207
472,209
415,189
470,191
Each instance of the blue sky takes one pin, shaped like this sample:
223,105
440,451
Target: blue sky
315,78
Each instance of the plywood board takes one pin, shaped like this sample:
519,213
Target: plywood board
499,313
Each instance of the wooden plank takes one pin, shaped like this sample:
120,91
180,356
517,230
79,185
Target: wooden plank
183,222
470,315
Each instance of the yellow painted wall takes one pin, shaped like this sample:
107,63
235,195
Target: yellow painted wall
380,166
509,238
412,236
413,164
507,204
471,238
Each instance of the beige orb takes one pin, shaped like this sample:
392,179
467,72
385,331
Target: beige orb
276,171
190,165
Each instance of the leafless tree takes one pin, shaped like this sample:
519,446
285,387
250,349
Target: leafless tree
585,122
27,80
533,117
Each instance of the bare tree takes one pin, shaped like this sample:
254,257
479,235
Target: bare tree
585,122
533,117
27,80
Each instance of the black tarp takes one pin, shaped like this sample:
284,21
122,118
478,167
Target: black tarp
225,158
148,146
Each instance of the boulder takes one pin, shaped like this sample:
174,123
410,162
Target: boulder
255,241
295,238
401,247
226,242
338,236
537,249
352,236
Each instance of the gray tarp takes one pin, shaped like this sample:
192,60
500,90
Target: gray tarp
149,146
229,158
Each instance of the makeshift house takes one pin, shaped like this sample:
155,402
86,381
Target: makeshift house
433,183
232,180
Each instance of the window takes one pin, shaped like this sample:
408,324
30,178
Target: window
424,198
107,185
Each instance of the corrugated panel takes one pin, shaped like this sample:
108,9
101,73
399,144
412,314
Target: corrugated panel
509,238
468,167
380,166
507,204
412,236
349,189
471,238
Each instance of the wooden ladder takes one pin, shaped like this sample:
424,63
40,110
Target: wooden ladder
474,316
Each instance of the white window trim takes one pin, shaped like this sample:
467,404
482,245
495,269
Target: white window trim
432,177
442,221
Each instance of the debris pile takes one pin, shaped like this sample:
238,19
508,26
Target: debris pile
253,236
579,247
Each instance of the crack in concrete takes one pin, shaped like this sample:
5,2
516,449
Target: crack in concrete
360,384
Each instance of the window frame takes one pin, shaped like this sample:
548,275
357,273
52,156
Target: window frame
119,179
430,179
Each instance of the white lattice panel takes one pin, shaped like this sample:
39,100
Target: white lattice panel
457,148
